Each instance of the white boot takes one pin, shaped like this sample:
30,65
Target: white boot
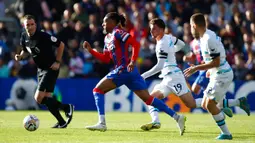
181,124
98,127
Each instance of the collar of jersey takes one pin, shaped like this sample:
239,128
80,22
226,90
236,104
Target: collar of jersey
32,37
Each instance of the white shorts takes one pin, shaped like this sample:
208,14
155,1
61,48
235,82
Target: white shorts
218,86
174,83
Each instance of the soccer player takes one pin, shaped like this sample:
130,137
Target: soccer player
42,47
116,49
203,79
173,78
221,74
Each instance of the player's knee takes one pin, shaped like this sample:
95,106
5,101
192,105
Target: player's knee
188,100
149,100
195,89
191,105
203,105
98,90
211,105
159,96
38,97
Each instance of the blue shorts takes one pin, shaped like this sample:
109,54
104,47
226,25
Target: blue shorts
133,80
201,79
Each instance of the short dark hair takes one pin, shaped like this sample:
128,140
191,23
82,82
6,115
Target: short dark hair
28,17
117,18
159,22
198,19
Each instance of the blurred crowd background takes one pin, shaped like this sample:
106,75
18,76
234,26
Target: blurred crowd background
74,21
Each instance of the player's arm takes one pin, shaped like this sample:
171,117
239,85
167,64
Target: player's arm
157,68
161,58
24,53
179,45
135,48
104,57
60,46
60,51
188,57
214,54
55,42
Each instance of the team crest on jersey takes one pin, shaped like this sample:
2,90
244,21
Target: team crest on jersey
53,39
120,31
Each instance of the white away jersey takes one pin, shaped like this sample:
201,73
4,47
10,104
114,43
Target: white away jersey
211,47
165,49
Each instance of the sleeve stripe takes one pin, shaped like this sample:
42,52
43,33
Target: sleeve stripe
163,53
123,34
176,41
125,37
162,57
215,55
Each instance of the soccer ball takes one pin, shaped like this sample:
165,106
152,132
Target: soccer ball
31,122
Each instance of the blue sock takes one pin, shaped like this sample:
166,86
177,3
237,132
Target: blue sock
162,106
99,100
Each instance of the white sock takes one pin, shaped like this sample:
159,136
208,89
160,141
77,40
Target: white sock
176,117
233,102
102,119
220,120
198,102
154,113
228,103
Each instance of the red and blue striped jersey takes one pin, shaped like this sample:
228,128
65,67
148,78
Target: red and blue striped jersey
117,48
197,51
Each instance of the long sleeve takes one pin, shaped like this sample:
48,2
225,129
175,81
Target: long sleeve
135,48
104,57
180,45
157,68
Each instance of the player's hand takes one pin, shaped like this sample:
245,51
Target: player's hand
189,71
55,66
131,66
86,46
18,57
207,75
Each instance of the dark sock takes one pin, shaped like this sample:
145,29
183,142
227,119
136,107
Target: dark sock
59,104
53,106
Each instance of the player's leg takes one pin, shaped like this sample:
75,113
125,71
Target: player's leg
46,84
189,101
199,85
51,78
214,93
150,100
155,124
159,92
219,117
138,85
99,91
177,85
240,102
200,82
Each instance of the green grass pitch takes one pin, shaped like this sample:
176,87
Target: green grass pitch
122,128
